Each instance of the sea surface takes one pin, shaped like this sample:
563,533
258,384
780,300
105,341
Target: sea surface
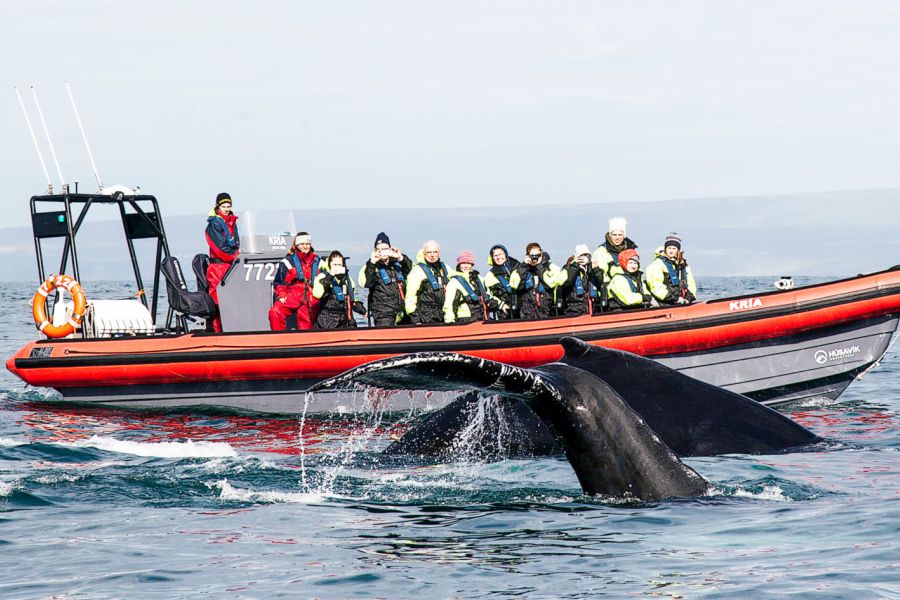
101,503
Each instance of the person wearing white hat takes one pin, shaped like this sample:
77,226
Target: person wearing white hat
606,256
669,276
581,284
293,283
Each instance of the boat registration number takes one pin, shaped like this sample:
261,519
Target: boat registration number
260,272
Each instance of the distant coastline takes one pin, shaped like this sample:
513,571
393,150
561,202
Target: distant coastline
837,233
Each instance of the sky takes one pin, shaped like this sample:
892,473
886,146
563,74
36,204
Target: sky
408,105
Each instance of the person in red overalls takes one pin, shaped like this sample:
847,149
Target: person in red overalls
224,246
294,280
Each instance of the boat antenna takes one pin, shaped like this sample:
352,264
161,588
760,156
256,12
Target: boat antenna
84,137
62,180
36,145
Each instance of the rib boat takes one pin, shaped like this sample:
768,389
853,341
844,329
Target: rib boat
776,347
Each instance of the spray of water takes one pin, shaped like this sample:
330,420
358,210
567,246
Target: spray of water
368,411
486,434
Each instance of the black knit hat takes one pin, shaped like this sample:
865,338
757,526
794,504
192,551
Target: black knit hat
222,199
382,238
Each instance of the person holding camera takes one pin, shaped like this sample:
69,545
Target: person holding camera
334,290
384,275
627,290
669,277
581,284
533,281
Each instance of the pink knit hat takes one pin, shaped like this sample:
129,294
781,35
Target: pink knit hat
466,256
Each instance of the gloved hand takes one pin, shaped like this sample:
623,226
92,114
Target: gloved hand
493,304
504,308
290,277
359,308
647,299
682,301
690,297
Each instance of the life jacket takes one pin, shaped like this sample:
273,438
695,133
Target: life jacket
501,272
673,273
529,283
474,298
385,276
429,274
579,286
338,290
229,225
633,284
629,245
293,261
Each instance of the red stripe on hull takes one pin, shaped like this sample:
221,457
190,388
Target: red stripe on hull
798,312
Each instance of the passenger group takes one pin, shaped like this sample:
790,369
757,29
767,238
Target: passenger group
320,293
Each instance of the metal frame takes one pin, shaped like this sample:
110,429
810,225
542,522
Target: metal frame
150,222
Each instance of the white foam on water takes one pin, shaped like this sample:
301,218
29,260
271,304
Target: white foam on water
188,449
58,478
10,443
230,493
6,488
769,492
219,465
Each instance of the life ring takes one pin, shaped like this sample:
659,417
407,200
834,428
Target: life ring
39,308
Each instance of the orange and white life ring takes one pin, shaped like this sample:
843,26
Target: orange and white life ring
39,307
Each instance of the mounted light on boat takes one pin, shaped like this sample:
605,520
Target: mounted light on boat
785,283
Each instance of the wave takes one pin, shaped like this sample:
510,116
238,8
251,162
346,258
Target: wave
187,449
233,494
9,443
7,488
771,493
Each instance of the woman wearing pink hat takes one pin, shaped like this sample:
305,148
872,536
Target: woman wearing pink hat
627,289
467,298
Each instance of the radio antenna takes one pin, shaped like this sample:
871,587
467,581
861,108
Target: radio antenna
62,180
84,137
34,140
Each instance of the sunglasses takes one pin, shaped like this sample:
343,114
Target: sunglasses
534,256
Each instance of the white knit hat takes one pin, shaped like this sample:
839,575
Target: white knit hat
618,224
581,249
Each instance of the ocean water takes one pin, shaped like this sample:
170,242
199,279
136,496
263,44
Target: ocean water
100,503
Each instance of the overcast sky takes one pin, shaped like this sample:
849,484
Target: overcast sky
413,104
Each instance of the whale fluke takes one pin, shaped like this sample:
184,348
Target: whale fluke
694,418
623,420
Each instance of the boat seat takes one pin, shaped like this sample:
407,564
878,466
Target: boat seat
192,304
200,264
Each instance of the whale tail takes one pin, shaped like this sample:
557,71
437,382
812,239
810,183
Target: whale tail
623,420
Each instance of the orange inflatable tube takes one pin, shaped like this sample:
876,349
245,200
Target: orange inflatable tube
39,306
